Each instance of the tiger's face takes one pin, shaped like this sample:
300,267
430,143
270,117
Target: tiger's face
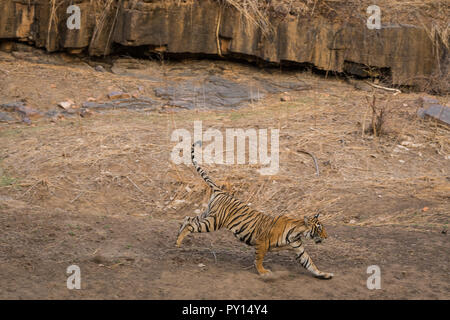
315,231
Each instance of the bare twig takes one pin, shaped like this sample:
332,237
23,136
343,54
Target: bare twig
78,196
397,91
316,165
134,184
314,159
31,188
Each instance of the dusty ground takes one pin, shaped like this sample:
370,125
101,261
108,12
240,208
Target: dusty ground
100,191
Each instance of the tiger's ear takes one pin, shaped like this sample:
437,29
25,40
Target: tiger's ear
317,216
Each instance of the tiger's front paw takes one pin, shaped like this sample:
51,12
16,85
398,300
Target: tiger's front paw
264,272
184,230
324,276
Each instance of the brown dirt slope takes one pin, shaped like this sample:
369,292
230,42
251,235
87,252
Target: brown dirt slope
101,192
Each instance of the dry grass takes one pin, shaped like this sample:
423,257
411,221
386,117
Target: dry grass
53,20
118,163
379,114
397,11
254,13
101,11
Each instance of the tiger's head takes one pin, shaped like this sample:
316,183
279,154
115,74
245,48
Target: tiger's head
315,229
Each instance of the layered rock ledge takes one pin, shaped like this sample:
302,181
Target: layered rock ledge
404,53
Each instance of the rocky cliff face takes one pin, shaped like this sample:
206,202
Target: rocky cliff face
405,52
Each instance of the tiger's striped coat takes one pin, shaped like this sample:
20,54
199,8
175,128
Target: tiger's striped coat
264,232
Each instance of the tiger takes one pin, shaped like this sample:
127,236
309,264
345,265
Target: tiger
264,232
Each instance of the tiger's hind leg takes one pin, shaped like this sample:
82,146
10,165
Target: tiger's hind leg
203,223
305,260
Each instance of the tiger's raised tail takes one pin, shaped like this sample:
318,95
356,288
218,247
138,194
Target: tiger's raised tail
202,172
